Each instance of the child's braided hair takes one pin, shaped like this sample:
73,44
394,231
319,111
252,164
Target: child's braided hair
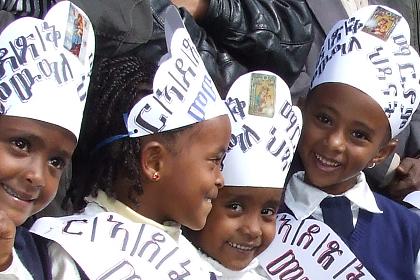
116,85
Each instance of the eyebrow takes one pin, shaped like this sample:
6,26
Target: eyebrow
276,202
365,126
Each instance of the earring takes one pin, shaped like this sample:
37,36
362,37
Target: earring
372,165
156,176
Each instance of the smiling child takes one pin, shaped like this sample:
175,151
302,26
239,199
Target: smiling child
42,96
242,222
363,94
149,160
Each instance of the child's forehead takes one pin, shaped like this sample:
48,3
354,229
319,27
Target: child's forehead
251,193
35,129
348,104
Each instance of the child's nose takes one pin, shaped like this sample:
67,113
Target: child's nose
336,140
35,173
220,182
252,227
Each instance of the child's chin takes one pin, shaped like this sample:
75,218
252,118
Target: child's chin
198,225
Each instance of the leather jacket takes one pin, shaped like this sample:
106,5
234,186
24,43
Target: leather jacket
234,38
241,36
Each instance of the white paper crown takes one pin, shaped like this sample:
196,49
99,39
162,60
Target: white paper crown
265,131
371,51
183,92
45,66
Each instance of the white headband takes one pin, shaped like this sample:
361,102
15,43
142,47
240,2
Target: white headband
46,66
265,131
371,51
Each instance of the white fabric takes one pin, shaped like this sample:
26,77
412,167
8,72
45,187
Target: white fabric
252,272
16,270
103,204
62,265
303,200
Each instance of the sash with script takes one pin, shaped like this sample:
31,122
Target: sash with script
109,246
309,249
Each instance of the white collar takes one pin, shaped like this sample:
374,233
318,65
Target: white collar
112,205
303,199
226,273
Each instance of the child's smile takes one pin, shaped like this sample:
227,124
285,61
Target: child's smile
19,195
326,164
344,130
240,225
33,155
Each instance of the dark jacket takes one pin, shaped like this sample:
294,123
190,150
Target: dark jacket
119,26
234,38
241,36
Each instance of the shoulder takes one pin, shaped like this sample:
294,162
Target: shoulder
397,213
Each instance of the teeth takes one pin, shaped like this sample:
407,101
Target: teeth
240,247
327,162
15,194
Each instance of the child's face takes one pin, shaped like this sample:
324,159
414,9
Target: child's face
194,176
343,130
33,155
240,226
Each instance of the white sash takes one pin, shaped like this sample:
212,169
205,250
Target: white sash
309,249
109,246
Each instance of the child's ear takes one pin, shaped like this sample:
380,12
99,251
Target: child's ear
384,152
151,159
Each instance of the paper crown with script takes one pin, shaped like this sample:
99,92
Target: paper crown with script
44,71
371,51
265,131
183,92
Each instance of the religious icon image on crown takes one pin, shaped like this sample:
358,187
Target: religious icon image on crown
75,32
262,95
381,23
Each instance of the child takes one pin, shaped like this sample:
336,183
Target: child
242,221
42,95
363,94
158,164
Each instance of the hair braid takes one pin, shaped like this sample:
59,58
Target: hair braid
116,85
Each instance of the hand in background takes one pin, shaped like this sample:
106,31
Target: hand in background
406,179
7,238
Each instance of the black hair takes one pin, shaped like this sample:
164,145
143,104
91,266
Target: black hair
116,85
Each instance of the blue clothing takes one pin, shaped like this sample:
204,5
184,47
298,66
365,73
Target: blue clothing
387,244
32,251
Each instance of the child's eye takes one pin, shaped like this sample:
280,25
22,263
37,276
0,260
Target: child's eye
268,212
58,163
235,207
324,118
360,135
21,144
218,161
